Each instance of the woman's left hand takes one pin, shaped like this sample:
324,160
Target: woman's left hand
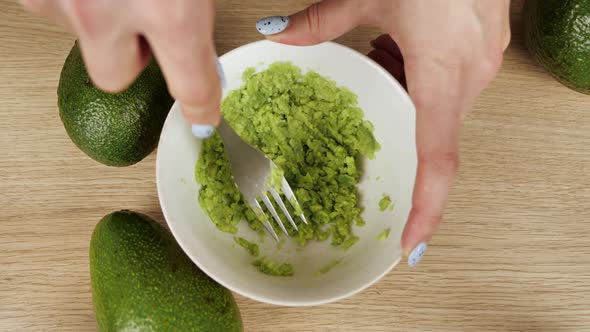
449,50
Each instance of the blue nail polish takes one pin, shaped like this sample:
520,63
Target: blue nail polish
205,131
202,131
272,25
416,255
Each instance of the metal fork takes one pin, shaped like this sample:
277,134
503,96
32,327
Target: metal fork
251,170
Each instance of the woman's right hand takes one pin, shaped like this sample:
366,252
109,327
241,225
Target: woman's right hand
118,38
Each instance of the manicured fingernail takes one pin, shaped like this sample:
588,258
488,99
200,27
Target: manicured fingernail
202,131
416,255
272,25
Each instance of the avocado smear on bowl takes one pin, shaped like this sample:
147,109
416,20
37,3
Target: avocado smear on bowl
314,131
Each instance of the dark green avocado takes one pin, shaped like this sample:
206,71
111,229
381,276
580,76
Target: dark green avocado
143,281
116,129
557,33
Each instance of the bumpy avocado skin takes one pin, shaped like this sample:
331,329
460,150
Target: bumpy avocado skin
557,33
115,129
142,281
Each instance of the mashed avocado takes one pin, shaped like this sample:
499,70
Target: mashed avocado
251,248
326,268
274,269
384,234
314,132
275,180
384,203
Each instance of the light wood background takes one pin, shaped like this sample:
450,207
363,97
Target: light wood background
512,255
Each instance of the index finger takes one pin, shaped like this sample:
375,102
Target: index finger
182,41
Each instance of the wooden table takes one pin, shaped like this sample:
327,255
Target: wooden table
512,255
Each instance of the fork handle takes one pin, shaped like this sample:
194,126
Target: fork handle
205,131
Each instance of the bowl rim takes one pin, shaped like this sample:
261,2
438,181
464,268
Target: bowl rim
219,279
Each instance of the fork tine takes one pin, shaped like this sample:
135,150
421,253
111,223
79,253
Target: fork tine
274,213
292,199
263,218
280,203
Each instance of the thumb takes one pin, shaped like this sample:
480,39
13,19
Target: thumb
436,92
322,21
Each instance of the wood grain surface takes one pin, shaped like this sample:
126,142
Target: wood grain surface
512,255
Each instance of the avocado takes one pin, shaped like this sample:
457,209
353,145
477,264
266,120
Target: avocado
142,281
116,129
557,33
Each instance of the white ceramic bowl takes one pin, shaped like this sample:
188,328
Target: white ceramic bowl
391,111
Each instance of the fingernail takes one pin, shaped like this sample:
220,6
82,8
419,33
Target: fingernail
202,131
416,255
272,25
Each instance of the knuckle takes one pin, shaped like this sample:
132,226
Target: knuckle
423,99
366,13
177,24
155,12
85,17
444,163
107,78
489,67
424,215
108,84
168,16
313,21
197,92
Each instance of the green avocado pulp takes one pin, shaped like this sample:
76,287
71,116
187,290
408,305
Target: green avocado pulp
274,269
314,132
